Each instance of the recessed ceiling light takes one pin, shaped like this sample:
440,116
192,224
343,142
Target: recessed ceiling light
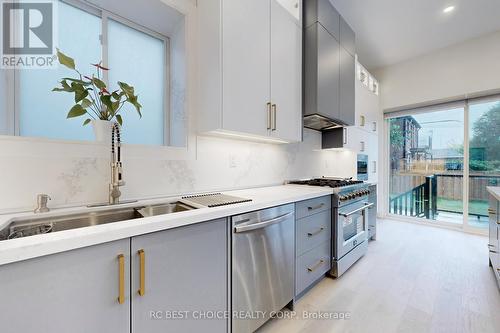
448,9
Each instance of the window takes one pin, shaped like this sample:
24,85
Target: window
144,67
134,53
42,113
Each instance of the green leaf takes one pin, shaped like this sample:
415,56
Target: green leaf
119,119
86,122
116,95
66,86
85,83
133,100
80,95
76,111
129,90
115,105
86,103
106,100
98,83
65,60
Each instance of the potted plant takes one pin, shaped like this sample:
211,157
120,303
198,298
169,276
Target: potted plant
93,100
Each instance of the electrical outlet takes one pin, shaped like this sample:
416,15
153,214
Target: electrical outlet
232,162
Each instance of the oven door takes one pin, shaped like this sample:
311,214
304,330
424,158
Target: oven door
351,227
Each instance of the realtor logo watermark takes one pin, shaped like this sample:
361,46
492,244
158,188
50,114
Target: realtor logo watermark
28,35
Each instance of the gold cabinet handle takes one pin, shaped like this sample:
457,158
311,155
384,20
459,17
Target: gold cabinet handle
315,267
310,234
121,279
142,275
269,117
273,108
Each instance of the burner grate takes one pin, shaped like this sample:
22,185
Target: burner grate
327,182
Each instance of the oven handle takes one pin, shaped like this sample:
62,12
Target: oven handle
367,205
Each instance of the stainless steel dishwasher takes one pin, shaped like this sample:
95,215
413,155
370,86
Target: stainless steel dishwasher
263,252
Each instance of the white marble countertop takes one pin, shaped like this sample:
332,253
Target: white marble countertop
495,191
35,246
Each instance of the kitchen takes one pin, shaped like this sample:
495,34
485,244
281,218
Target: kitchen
257,180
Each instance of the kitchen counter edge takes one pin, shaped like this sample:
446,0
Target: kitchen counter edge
36,246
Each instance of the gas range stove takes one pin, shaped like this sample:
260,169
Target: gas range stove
349,220
345,190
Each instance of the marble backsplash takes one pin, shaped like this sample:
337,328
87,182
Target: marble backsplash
82,176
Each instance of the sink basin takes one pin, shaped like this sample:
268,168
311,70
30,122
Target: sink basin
161,209
41,225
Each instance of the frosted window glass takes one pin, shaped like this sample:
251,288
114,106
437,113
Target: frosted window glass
3,102
139,59
43,112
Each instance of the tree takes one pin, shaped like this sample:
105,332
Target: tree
486,133
397,136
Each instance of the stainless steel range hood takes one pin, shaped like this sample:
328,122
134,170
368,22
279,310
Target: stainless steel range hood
321,123
329,67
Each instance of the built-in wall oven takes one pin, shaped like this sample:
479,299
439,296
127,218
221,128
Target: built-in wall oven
362,167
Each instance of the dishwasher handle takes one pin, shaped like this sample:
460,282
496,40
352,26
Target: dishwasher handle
263,224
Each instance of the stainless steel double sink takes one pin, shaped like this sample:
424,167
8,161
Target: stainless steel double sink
41,224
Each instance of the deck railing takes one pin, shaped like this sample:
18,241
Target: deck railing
420,201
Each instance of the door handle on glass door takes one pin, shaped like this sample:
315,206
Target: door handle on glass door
273,108
269,116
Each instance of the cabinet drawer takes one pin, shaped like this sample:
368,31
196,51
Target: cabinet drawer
313,206
312,265
313,230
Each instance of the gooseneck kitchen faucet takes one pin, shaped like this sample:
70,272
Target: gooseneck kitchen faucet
116,166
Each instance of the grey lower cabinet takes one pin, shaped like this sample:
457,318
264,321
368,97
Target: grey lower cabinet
372,213
75,291
180,272
160,282
313,239
494,236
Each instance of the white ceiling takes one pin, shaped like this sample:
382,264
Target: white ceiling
390,31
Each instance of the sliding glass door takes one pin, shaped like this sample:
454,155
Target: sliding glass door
484,158
440,161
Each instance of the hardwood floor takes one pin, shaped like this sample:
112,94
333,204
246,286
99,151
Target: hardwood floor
414,279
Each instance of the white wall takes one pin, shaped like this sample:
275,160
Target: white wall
467,68
74,174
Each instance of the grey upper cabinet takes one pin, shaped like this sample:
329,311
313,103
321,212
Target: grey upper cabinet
322,73
75,291
183,269
323,12
347,87
347,37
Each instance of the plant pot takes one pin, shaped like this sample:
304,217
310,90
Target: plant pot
102,130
